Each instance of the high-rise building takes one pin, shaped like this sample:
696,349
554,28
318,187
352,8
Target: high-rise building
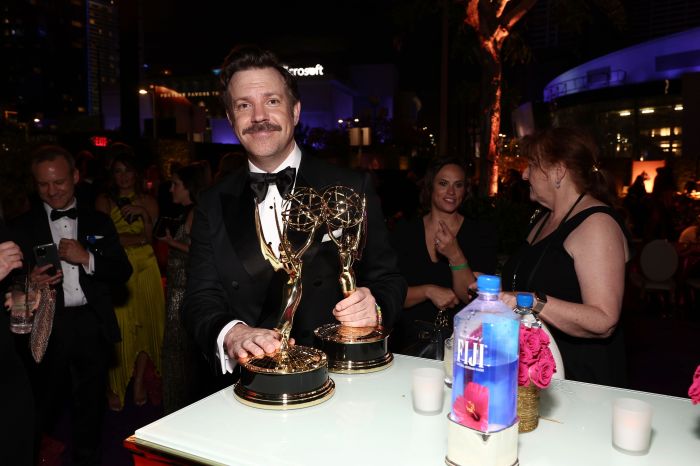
102,54
58,58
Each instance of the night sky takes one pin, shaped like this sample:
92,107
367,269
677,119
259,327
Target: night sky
187,38
193,37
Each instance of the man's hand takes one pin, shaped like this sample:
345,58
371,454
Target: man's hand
509,298
357,310
43,279
243,342
9,301
442,298
70,250
10,258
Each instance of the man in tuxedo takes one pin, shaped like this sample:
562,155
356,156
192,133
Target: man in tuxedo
233,297
84,326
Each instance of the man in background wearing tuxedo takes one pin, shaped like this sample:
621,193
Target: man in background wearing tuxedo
84,325
233,297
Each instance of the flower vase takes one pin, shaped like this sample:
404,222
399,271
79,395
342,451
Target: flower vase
528,408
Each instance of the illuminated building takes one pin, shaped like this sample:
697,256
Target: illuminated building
367,92
641,100
59,58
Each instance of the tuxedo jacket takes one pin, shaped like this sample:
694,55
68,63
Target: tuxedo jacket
96,233
228,278
16,400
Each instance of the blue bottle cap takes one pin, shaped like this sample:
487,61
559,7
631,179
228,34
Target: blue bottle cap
524,300
488,284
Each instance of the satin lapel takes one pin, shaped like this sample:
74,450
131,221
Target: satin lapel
238,207
44,231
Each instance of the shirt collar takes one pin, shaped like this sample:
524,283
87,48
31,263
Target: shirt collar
48,208
293,160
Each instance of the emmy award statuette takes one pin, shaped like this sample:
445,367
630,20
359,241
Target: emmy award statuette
294,376
350,350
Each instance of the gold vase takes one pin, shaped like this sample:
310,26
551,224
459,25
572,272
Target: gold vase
528,408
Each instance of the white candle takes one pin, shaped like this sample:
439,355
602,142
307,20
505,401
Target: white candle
427,390
631,425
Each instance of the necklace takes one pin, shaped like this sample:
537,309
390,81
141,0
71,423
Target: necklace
537,233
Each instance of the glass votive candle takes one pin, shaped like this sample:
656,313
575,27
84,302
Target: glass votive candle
631,425
427,390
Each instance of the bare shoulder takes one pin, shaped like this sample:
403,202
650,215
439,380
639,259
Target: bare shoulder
599,223
599,231
103,203
147,200
149,203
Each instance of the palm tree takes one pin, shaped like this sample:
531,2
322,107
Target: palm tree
493,22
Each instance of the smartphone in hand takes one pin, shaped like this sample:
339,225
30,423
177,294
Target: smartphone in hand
124,201
48,254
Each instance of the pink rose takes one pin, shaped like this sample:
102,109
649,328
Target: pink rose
547,355
694,390
523,375
526,356
544,338
541,372
533,340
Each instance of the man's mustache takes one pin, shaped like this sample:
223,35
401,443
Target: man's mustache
263,126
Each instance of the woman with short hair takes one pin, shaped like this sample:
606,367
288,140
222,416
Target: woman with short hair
574,257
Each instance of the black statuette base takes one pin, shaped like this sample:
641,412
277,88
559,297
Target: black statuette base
297,387
353,357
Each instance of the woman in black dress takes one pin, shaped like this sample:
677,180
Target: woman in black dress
439,254
16,401
575,254
179,355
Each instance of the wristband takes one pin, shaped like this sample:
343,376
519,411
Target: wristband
459,266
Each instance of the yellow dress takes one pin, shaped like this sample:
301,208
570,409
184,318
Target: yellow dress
141,315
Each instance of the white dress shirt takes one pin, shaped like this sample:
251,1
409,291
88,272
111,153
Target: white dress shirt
266,208
66,227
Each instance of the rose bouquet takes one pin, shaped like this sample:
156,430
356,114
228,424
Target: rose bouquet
694,390
536,362
535,369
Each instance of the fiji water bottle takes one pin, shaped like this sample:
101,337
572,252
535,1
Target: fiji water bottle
523,308
485,378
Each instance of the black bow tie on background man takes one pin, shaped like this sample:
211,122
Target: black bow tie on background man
284,180
70,213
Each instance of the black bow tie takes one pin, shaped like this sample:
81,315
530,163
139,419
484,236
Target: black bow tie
283,179
70,213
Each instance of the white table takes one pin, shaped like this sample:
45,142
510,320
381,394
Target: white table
370,421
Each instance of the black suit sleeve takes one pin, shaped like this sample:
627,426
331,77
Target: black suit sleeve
204,309
378,270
